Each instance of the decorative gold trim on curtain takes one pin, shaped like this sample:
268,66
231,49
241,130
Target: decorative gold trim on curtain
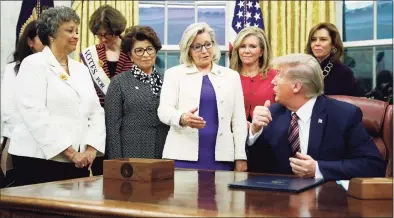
287,22
86,8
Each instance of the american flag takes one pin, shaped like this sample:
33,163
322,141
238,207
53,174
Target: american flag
246,13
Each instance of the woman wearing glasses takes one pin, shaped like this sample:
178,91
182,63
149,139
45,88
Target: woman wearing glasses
107,24
133,127
203,103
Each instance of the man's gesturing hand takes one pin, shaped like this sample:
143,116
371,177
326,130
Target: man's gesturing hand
261,117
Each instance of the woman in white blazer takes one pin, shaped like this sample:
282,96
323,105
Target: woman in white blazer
28,43
62,125
203,103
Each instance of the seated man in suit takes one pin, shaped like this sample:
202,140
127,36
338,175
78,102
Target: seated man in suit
309,134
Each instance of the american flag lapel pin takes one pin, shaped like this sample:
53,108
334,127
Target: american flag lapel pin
320,121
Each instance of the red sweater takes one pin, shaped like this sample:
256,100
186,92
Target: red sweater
257,91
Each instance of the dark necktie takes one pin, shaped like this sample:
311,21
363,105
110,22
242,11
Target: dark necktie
294,135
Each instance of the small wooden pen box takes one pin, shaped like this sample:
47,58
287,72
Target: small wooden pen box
371,188
138,169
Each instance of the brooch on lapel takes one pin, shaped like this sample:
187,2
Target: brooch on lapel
63,76
100,63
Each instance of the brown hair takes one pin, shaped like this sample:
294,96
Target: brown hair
335,40
108,18
139,33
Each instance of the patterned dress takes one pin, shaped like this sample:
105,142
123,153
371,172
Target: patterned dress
133,126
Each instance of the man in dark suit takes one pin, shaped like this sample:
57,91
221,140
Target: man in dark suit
309,134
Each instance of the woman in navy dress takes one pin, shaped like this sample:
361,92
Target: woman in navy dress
203,103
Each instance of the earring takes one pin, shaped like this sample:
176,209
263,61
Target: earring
334,50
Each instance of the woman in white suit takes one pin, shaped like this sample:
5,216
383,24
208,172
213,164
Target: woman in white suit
203,103
62,125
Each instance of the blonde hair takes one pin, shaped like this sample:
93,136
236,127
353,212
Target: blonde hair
305,69
188,37
264,60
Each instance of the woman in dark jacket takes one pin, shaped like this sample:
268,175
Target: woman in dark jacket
325,44
133,126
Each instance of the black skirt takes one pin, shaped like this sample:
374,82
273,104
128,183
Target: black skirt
28,170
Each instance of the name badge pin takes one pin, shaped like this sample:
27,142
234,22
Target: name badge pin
320,121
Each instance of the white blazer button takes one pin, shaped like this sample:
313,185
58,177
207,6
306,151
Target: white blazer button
221,134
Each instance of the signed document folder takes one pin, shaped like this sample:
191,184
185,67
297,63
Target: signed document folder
277,183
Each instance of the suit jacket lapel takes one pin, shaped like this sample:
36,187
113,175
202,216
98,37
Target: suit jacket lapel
318,123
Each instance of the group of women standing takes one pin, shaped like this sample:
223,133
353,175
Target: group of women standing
197,115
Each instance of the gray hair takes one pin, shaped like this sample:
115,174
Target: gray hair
188,37
305,69
51,19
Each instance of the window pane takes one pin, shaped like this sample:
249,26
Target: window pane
215,16
172,59
358,20
222,61
160,62
385,19
179,18
360,60
153,16
384,65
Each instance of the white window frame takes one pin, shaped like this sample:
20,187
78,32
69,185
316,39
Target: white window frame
175,48
364,43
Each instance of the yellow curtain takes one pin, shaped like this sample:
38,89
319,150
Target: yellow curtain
86,8
287,22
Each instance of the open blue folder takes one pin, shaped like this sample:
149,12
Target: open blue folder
277,183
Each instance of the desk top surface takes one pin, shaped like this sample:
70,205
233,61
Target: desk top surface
190,193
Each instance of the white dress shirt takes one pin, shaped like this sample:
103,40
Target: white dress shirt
304,122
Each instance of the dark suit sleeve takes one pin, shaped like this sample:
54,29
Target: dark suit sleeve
362,158
113,119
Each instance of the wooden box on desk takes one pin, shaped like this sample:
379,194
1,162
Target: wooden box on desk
371,188
138,169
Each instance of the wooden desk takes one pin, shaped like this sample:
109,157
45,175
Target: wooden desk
190,193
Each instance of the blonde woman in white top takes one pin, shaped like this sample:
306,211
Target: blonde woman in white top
203,103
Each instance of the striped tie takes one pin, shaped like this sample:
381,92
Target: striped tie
294,136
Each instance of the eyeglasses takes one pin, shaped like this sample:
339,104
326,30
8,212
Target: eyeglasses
141,51
105,35
198,47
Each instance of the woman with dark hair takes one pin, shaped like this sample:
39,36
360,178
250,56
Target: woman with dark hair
133,127
106,59
28,43
325,44
62,125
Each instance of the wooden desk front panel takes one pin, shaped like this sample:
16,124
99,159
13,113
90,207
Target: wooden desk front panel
190,193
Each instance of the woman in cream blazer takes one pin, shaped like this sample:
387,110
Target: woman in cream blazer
62,126
182,103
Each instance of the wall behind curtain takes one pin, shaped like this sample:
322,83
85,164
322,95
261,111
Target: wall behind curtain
287,23
85,9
